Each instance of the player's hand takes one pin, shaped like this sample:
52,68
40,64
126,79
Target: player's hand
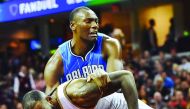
98,74
100,77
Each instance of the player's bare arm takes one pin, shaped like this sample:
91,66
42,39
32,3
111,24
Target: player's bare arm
112,51
52,72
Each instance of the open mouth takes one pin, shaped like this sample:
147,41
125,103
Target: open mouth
93,34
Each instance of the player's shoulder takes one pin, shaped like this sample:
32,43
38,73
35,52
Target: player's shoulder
108,40
56,56
110,45
64,48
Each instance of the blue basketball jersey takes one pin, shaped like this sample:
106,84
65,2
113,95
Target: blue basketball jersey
75,66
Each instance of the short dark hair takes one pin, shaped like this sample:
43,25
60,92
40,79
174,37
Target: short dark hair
152,22
76,10
31,98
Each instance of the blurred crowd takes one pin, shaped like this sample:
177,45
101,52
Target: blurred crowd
20,74
162,80
162,75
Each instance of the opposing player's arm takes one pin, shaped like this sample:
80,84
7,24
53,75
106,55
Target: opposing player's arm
52,72
112,51
86,94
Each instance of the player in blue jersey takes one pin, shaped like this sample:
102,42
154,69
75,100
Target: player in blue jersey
84,53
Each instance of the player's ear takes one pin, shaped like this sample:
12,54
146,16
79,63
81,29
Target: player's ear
72,26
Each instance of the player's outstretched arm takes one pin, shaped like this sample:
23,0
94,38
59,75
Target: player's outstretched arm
52,72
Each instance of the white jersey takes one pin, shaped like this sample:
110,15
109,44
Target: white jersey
113,101
64,101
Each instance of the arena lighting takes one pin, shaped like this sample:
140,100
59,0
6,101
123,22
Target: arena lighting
52,51
186,33
21,9
35,45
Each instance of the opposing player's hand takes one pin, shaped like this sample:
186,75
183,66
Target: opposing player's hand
100,77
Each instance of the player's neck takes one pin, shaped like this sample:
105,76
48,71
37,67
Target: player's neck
80,48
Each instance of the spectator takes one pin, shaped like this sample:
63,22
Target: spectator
168,85
177,83
183,75
143,94
150,63
172,31
178,102
184,88
149,88
171,39
158,68
23,82
188,78
168,82
174,57
145,68
168,67
8,91
185,64
152,103
119,35
159,86
40,83
162,57
150,38
159,102
176,69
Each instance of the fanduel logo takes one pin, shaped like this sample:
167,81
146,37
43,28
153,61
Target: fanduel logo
13,9
25,8
69,2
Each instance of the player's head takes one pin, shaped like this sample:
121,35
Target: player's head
152,22
36,100
84,23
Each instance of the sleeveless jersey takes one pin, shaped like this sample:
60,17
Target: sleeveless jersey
75,66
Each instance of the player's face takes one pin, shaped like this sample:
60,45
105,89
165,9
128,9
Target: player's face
87,25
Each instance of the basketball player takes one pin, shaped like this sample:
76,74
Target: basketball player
87,51
80,93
